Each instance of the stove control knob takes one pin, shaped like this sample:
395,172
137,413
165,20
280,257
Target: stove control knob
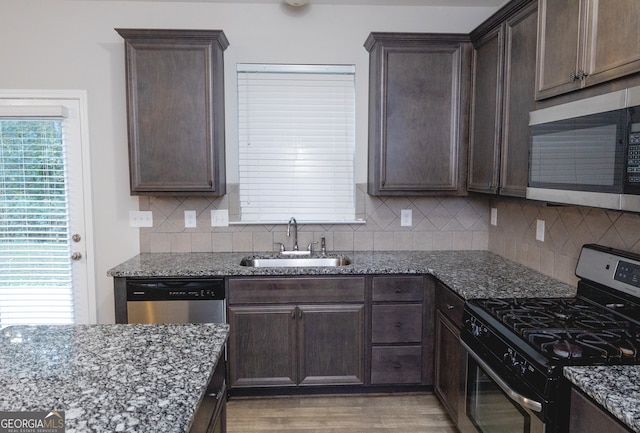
509,358
477,330
523,368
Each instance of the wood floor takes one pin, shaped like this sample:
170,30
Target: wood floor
398,413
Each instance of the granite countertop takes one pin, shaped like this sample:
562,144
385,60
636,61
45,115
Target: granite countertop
110,378
615,387
472,274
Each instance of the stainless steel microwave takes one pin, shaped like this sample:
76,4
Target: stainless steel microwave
587,152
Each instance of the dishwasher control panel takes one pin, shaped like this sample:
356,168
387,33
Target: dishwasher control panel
165,290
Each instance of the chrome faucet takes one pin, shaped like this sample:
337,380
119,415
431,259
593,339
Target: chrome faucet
295,232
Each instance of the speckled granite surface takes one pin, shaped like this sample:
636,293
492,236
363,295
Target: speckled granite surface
615,387
472,274
110,378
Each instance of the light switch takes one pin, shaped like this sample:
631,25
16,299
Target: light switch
540,230
190,219
138,218
406,217
220,218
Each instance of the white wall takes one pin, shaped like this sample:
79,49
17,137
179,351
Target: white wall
71,44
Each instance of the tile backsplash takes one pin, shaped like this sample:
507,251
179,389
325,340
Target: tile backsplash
438,223
567,228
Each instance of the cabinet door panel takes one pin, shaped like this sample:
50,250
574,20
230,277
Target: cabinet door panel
175,107
396,365
560,33
396,323
398,289
262,346
615,36
448,369
418,109
486,114
519,95
416,138
331,344
587,416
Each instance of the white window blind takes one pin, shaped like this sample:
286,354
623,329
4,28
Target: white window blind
296,142
36,280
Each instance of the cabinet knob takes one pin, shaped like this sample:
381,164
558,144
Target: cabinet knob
572,76
398,290
398,324
450,307
397,364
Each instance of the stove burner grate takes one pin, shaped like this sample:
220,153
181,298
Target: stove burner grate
608,346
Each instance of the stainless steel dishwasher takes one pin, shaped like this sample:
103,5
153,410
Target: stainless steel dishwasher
176,301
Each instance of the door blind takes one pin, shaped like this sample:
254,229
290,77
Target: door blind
36,281
296,143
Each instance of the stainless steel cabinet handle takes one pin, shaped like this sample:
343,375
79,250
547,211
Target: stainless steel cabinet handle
535,406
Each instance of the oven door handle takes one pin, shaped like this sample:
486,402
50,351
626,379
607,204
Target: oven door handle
535,406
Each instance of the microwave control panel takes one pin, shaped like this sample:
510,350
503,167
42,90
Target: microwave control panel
633,158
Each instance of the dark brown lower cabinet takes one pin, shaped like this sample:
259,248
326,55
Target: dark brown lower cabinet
211,416
587,416
401,330
449,355
262,346
284,334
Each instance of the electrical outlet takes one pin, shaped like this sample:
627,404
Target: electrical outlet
138,218
540,230
220,218
494,216
190,219
405,217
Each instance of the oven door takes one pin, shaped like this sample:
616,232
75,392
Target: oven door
492,406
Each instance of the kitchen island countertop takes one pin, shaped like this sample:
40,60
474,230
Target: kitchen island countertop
471,274
110,378
614,387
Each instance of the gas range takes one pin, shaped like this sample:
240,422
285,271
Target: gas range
525,342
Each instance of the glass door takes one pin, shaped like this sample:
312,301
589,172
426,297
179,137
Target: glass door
491,406
43,213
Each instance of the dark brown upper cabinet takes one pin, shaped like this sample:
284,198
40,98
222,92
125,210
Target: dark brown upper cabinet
175,108
585,42
504,61
418,113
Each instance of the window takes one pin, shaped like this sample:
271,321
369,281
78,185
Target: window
41,208
296,143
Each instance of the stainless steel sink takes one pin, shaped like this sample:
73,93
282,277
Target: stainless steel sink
282,262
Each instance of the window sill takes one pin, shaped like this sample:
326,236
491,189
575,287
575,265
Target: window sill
262,223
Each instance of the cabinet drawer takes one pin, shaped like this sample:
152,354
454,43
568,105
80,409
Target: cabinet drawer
295,290
450,304
401,364
396,323
398,289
